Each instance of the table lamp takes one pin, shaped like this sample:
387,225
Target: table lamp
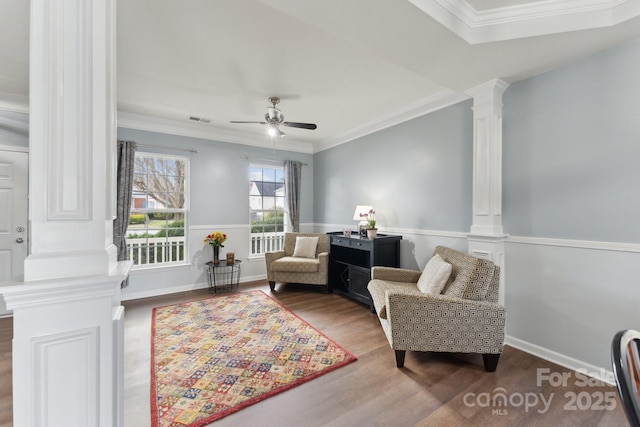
358,215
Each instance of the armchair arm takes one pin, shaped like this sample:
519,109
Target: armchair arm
323,258
272,256
269,257
392,274
459,325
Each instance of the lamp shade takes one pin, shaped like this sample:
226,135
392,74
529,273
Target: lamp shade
361,209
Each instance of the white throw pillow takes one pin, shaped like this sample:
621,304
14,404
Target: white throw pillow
434,276
305,247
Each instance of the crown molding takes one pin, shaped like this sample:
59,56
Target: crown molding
535,18
207,131
424,106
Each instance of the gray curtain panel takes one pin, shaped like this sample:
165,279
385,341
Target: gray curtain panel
292,177
126,162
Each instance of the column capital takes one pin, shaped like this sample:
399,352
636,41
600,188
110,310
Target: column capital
488,92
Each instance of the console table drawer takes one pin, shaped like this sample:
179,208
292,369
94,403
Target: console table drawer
365,245
351,242
340,241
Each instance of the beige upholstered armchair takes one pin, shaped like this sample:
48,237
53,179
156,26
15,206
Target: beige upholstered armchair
464,318
292,265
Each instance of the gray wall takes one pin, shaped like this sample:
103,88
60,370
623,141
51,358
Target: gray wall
571,150
571,205
417,175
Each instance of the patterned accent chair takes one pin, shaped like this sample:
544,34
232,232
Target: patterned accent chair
283,267
464,318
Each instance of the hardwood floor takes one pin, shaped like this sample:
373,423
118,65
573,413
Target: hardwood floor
431,390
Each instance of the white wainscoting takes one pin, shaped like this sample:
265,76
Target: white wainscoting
567,298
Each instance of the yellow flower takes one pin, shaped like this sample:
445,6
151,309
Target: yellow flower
217,238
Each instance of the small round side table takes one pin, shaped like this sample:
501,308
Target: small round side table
223,276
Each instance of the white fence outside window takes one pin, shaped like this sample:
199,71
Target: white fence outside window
266,242
156,250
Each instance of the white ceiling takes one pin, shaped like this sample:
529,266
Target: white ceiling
351,66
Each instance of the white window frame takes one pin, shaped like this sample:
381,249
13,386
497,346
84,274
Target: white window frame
184,242
272,241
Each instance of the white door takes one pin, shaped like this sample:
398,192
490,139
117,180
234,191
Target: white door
13,214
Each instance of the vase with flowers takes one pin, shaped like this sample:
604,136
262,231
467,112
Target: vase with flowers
216,240
370,218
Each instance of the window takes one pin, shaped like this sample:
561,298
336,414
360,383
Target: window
157,223
267,208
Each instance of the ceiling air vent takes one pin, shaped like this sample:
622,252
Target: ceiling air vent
199,119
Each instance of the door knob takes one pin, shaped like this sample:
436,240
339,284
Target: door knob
19,240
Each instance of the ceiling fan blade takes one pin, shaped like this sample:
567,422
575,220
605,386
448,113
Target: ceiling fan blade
300,125
239,121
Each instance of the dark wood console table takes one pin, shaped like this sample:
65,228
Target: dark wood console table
351,259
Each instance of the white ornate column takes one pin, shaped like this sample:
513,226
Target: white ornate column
68,322
72,132
486,237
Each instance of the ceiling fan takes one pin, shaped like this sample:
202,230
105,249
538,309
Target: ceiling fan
274,118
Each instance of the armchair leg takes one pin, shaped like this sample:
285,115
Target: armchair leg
490,361
272,285
400,357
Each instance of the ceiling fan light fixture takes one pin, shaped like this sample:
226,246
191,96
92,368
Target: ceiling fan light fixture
274,118
273,130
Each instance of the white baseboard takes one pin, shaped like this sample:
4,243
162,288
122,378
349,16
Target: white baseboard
597,372
181,288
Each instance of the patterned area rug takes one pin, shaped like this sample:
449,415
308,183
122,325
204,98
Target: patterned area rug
213,357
